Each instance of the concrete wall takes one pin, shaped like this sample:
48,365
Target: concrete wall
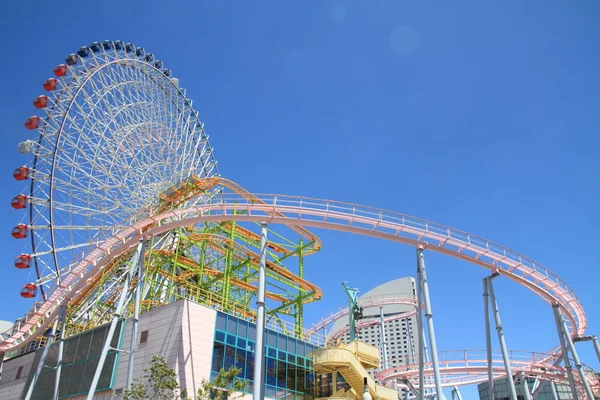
11,387
182,333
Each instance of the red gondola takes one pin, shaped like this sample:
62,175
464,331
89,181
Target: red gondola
21,173
61,70
41,101
29,291
23,261
50,84
19,202
32,122
20,231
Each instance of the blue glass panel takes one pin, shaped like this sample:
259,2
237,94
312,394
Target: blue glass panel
221,321
217,361
271,339
281,375
241,343
242,328
281,342
219,336
271,380
271,352
291,345
229,357
240,361
232,325
252,332
231,340
249,370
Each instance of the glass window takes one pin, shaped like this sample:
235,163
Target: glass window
271,379
272,339
231,340
232,325
221,321
218,352
241,343
229,357
242,328
220,336
271,352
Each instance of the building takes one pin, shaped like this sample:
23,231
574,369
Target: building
400,334
540,390
195,340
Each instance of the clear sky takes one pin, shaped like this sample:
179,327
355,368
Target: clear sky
481,115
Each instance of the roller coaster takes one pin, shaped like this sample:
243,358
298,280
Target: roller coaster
122,173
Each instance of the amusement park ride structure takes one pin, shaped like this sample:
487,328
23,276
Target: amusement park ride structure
127,212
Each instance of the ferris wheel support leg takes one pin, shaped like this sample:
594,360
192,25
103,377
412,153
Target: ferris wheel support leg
511,383
136,315
578,364
488,336
430,329
40,365
259,360
61,343
113,325
565,352
420,335
524,386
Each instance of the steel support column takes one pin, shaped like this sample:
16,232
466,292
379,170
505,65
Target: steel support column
136,316
594,341
456,394
383,341
524,386
421,335
565,353
578,365
554,391
62,316
488,337
113,325
511,383
40,365
430,329
259,359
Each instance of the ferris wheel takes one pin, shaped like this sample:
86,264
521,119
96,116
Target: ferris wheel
116,131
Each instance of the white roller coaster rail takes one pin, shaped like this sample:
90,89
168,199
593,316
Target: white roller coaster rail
370,303
302,211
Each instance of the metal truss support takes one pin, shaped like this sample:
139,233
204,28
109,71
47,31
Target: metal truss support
456,394
578,365
41,365
511,383
136,315
524,386
113,325
259,359
422,275
488,337
565,353
62,316
591,338
383,340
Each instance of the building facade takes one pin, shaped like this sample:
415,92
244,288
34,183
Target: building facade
195,340
539,389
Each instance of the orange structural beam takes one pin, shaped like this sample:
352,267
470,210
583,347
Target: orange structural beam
241,252
195,186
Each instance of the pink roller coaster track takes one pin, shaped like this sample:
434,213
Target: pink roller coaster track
300,211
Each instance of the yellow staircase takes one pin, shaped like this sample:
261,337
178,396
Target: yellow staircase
352,361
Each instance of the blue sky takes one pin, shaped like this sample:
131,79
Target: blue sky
480,115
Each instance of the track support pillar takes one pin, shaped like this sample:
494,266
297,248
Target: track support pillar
565,352
259,360
488,337
383,340
422,275
499,330
524,386
578,365
420,335
113,325
136,315
62,316
456,394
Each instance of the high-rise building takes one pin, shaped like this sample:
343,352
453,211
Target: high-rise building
401,339
538,388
